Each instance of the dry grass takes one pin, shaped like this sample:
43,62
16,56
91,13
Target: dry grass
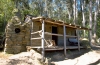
4,55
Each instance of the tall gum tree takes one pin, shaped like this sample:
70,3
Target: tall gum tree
90,23
83,14
74,7
95,18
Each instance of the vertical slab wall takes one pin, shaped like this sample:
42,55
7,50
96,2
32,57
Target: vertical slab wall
36,27
69,31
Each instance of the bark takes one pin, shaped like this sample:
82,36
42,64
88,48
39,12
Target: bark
95,19
90,22
74,7
83,14
69,14
76,4
40,6
46,15
69,9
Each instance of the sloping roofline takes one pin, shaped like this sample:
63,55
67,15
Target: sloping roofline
60,23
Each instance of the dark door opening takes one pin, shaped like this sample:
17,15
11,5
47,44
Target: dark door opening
55,38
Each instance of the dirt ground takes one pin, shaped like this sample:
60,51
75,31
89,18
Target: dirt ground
73,57
24,58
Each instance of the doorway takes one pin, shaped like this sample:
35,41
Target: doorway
55,38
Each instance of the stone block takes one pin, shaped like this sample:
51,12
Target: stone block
9,50
8,40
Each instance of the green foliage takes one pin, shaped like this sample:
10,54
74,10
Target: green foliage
85,43
6,7
98,27
55,9
25,12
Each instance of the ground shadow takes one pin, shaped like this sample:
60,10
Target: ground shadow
71,54
95,48
17,61
95,63
75,53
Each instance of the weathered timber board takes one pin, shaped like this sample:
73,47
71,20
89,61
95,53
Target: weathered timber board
54,47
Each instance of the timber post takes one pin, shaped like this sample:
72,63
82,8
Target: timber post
42,40
78,39
31,32
64,30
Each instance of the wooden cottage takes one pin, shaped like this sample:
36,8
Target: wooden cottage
54,31
44,33
49,34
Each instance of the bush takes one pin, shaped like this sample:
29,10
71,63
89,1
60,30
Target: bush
85,43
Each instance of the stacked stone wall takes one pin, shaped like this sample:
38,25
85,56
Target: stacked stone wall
16,42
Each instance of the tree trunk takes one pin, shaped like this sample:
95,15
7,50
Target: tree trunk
95,21
69,15
95,18
90,21
83,14
74,7
76,11
69,9
46,15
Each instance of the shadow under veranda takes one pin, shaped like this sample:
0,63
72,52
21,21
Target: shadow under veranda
71,54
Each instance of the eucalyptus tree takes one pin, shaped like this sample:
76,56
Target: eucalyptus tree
75,11
95,18
22,6
49,8
36,7
69,9
58,8
90,21
21,3
74,7
83,14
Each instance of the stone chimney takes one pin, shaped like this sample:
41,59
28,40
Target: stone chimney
17,35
